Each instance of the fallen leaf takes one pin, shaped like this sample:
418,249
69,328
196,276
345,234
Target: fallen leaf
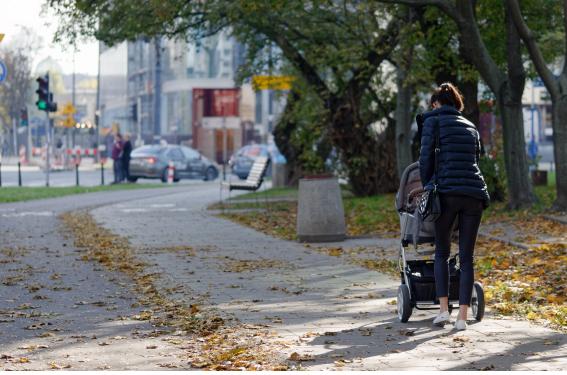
407,332
461,339
299,357
55,366
200,364
168,365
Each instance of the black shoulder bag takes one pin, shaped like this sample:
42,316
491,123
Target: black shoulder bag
429,207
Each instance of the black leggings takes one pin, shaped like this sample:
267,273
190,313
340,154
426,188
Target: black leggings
469,211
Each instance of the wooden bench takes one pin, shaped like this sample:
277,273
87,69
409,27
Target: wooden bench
253,181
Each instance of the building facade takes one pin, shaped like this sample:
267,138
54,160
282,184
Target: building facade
178,91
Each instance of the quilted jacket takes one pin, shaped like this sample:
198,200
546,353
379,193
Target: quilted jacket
458,170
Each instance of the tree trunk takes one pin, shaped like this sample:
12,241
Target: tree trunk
282,136
510,91
403,122
560,151
369,158
469,90
519,185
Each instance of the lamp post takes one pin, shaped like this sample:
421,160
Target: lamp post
532,149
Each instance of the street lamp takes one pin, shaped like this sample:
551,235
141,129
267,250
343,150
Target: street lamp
532,148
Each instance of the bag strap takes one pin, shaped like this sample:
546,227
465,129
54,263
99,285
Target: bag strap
437,151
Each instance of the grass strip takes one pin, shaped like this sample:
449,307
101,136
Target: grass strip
24,193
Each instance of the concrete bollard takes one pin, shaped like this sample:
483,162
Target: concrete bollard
320,212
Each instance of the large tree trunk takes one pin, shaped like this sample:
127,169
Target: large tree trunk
510,91
282,136
560,151
519,185
556,87
403,122
469,90
368,157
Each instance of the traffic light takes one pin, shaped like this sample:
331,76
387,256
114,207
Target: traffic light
44,97
42,93
24,117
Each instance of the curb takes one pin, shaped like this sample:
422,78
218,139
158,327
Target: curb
557,219
509,242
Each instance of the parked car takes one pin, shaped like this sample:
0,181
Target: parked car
152,161
242,160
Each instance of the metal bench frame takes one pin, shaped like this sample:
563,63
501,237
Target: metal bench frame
254,180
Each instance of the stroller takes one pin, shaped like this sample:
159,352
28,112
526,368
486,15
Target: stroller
417,274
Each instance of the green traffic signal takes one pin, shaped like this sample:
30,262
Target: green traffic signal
41,105
43,93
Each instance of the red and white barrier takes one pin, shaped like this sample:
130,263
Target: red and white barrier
38,151
170,172
82,152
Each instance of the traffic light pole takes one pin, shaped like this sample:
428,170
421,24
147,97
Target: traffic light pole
47,148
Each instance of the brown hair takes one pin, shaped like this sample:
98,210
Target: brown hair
448,94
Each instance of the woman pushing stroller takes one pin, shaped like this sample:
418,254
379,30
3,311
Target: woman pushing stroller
462,193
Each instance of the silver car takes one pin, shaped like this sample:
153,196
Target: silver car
152,161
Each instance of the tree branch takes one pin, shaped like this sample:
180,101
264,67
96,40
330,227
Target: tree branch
385,44
528,37
445,5
308,72
516,71
462,13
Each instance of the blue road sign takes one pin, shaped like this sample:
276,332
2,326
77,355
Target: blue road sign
3,72
538,82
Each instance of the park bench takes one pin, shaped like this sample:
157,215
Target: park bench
253,181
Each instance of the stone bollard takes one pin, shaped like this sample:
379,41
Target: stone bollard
320,212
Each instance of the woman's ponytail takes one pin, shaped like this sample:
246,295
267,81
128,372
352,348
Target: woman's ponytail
448,94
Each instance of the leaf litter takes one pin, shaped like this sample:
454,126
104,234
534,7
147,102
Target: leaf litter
218,343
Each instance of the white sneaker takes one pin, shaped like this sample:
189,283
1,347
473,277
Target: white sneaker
460,325
441,319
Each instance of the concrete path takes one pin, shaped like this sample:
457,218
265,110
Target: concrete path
326,312
58,311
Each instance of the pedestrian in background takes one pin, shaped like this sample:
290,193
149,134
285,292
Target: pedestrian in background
126,151
117,147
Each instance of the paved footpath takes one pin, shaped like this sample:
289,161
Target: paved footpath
58,311
327,313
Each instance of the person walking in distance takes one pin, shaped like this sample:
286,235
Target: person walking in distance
126,152
117,158
462,192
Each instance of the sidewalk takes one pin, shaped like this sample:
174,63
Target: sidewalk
325,312
58,311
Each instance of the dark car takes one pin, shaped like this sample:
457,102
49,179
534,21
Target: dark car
242,160
152,162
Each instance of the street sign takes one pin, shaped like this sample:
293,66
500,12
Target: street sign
272,82
3,71
538,82
1,37
68,109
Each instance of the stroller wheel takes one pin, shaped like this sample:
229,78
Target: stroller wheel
477,301
404,303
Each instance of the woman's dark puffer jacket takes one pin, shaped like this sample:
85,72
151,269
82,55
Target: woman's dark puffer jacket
458,169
